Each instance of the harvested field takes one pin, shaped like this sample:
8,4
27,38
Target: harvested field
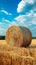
33,43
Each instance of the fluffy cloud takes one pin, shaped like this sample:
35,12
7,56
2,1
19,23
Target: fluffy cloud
28,20
5,21
23,5
29,1
20,6
4,25
6,12
20,18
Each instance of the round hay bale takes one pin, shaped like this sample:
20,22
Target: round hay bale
32,52
14,36
27,36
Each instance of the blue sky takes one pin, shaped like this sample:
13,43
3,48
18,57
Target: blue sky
18,12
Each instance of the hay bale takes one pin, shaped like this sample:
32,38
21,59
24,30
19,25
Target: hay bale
28,60
9,58
20,51
32,52
27,36
15,59
14,36
22,60
23,52
5,58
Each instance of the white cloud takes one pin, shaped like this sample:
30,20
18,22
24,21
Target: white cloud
28,19
20,19
4,24
5,20
22,4
34,22
29,1
32,16
2,29
32,12
6,12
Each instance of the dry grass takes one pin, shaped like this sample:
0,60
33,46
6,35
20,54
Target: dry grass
33,43
2,42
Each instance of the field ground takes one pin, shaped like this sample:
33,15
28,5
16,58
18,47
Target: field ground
33,43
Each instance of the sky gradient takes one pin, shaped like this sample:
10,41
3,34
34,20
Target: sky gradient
18,12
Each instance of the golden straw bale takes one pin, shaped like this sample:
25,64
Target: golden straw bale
12,58
5,58
27,36
22,60
32,52
28,60
14,36
19,50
